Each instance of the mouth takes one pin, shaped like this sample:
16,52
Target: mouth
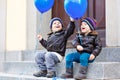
82,28
57,26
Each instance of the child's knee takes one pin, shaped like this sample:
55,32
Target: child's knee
69,57
39,56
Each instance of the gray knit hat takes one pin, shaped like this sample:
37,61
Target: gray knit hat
52,20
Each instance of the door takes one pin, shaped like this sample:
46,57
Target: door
96,9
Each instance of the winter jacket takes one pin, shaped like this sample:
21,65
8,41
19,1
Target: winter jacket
91,43
56,42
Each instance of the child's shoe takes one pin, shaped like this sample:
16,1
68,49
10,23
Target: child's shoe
82,73
51,74
41,73
68,74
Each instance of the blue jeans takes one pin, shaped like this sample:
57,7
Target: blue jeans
82,58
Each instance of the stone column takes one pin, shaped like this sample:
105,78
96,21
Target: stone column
112,23
37,23
43,28
2,32
31,25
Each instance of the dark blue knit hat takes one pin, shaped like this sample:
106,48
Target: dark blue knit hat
52,20
91,22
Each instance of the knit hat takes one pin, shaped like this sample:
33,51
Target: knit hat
52,20
91,22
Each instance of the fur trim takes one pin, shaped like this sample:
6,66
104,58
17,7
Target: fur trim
91,33
94,33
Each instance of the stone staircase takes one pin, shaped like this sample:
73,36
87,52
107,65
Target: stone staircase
20,65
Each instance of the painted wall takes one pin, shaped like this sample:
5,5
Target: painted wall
23,22
16,25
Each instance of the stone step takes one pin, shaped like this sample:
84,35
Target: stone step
108,54
20,67
96,70
6,76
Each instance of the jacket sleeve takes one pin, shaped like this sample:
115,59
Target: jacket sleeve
70,29
98,46
75,42
43,43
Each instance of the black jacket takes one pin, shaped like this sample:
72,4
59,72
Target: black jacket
56,42
91,43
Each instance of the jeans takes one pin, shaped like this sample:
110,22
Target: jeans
82,58
46,61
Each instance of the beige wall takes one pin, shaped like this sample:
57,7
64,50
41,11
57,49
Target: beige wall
16,25
23,22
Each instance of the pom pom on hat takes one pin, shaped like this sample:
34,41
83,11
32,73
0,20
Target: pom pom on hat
52,20
91,22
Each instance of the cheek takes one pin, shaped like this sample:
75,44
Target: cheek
53,27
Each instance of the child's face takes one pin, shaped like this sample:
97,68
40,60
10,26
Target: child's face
85,28
56,26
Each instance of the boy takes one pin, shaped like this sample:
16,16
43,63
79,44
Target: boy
88,46
55,45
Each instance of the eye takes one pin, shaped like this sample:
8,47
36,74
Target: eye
54,23
85,23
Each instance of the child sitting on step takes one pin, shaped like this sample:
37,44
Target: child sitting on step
88,46
55,45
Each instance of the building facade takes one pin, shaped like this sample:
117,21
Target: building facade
20,22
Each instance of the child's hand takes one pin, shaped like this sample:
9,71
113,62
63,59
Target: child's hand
39,37
71,19
91,57
79,48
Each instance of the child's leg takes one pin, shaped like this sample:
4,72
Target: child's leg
70,58
40,60
51,61
84,59
84,62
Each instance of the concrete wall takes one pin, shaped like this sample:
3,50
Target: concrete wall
112,22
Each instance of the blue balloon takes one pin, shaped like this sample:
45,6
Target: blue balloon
75,8
43,5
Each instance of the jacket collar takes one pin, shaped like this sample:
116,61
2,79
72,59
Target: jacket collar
57,33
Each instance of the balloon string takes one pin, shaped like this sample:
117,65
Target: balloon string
78,29
38,31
